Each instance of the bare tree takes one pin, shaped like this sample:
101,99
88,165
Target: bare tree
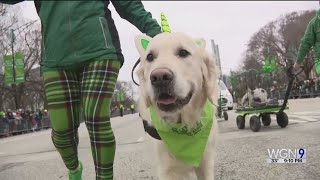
279,39
8,20
30,94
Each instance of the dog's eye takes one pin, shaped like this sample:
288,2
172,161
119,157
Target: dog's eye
150,57
183,53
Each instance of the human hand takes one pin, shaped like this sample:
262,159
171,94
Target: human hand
296,66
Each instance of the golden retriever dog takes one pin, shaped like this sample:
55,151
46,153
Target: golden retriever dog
177,76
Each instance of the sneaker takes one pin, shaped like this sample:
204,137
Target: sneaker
77,175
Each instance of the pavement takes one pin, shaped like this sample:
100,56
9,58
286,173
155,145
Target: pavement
241,154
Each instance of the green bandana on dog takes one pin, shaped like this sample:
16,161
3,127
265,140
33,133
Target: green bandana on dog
186,145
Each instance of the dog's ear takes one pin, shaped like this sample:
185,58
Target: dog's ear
210,73
200,42
251,91
142,42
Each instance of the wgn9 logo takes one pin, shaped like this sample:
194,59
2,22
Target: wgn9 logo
287,155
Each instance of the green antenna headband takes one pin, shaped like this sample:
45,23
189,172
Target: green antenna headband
164,24
166,28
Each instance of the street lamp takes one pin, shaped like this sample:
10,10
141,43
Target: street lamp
13,69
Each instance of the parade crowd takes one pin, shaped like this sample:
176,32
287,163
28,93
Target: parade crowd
23,121
302,89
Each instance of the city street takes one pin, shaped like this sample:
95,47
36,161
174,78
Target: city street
241,154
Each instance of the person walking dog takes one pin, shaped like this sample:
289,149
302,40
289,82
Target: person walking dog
310,39
81,58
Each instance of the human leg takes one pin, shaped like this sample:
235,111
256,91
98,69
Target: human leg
97,86
63,97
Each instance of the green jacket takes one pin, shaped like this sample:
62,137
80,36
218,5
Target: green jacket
77,32
311,38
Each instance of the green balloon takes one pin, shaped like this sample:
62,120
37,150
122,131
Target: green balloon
267,68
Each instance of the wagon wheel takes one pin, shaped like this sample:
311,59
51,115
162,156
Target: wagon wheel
282,119
225,115
240,122
266,119
255,123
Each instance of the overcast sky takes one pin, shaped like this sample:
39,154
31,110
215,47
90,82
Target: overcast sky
230,24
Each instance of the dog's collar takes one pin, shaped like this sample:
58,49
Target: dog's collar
184,143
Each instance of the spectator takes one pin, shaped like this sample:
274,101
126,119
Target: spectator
38,119
33,121
29,119
316,84
11,120
132,108
10,114
2,115
4,123
45,113
121,108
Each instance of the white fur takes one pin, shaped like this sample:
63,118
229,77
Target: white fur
197,70
249,97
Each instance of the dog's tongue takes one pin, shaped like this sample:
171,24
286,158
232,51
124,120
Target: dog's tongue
166,99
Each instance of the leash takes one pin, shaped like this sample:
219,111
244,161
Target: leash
134,67
149,128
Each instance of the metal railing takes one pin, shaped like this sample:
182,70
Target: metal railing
308,91
10,127
116,113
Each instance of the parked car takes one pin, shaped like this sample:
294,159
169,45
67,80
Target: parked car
226,95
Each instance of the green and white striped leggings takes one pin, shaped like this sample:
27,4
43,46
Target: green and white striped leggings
88,89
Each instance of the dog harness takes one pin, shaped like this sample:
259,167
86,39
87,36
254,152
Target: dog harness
186,144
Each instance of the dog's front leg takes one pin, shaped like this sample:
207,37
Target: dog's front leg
176,173
169,167
167,174
205,171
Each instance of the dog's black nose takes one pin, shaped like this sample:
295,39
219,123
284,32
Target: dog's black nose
256,99
161,76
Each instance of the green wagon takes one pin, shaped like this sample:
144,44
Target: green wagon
262,114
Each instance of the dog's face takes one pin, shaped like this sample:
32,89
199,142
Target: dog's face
260,95
174,70
257,95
